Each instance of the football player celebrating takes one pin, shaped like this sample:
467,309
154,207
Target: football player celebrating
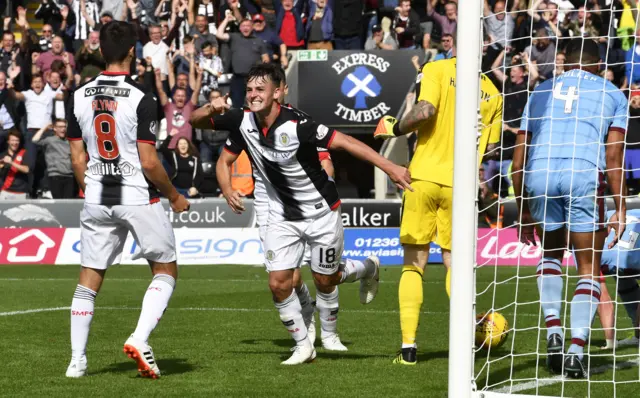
304,206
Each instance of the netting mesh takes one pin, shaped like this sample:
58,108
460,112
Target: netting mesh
524,46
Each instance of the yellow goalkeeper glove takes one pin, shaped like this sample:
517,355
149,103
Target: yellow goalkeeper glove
387,128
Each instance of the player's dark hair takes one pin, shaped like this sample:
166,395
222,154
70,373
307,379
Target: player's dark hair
267,71
582,51
117,38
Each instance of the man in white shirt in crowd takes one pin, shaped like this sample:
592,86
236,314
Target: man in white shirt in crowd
157,49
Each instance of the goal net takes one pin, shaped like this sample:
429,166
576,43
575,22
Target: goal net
523,44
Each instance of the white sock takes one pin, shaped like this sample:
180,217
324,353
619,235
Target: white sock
328,307
291,317
153,305
81,316
353,270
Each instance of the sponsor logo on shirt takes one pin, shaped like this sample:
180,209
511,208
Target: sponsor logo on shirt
111,169
107,90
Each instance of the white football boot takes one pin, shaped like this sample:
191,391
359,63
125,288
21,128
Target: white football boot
302,353
143,355
369,286
77,367
333,343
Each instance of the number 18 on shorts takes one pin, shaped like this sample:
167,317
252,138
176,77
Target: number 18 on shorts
285,242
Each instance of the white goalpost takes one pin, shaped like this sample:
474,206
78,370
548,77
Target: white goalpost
482,279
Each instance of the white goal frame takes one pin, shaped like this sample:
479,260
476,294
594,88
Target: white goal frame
465,182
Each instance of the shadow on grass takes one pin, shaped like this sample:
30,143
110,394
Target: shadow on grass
284,342
168,367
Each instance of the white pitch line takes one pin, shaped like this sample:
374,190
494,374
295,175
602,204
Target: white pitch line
218,309
530,385
33,311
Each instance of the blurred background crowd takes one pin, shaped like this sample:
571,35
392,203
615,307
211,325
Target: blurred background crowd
190,51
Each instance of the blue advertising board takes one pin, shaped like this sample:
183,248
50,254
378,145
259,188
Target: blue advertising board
360,243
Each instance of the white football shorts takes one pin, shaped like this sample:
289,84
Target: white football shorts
103,232
285,241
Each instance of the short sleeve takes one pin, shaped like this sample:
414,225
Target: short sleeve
74,132
229,121
147,113
235,143
28,95
314,133
620,116
429,84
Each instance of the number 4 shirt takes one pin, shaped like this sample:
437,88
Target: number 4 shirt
112,114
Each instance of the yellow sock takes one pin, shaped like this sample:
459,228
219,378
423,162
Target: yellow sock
410,298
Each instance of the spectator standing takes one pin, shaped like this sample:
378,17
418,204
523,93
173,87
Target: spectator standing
347,24
39,105
57,155
276,48
522,78
178,111
87,14
8,112
543,52
54,87
320,26
380,40
545,18
57,52
289,23
406,25
211,65
156,49
448,48
15,164
49,12
246,50
113,7
8,52
44,41
185,167
211,141
181,80
448,22
207,9
240,10
201,33
499,23
89,53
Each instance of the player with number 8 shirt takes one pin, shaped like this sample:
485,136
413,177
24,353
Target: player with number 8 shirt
116,120
571,133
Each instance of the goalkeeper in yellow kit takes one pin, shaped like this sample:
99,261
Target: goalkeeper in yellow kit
426,212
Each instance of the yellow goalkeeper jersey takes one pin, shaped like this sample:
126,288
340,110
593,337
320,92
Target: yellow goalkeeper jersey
433,159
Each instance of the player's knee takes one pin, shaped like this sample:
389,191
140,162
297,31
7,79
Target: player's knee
326,281
165,268
280,288
297,279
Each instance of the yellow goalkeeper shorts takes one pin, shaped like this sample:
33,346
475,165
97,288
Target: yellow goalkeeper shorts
426,214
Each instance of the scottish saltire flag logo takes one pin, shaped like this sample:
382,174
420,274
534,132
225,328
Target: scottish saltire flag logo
360,84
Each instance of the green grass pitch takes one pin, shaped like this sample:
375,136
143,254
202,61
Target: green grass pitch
221,336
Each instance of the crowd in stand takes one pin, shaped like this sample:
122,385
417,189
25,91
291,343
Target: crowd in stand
190,51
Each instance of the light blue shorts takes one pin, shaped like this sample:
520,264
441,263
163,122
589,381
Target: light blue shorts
566,193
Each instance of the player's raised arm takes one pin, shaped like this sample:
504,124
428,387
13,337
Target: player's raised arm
398,174
201,117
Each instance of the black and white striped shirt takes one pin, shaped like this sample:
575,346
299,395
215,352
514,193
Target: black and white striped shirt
82,27
112,114
285,158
